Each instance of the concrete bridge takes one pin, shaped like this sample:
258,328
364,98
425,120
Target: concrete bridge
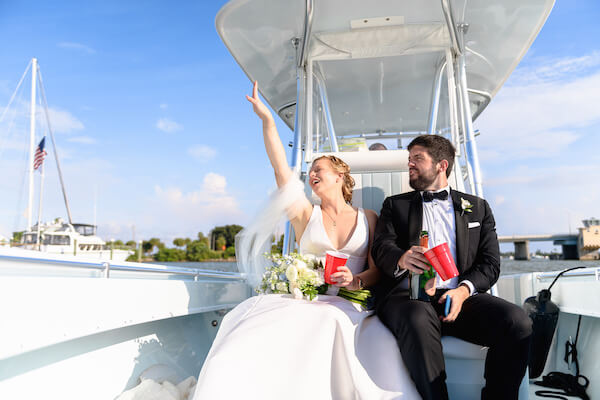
568,242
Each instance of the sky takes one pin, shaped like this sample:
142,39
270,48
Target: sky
155,138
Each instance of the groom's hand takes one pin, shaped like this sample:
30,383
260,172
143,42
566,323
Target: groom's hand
414,260
458,296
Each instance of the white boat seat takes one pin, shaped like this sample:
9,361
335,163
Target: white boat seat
461,350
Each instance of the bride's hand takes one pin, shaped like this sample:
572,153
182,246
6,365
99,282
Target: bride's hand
343,277
258,106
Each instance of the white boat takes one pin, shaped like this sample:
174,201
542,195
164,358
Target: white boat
335,71
60,237
57,237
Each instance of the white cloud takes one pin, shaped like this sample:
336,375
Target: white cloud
168,126
180,212
537,147
16,120
82,140
202,152
164,106
544,199
63,121
543,116
546,70
76,46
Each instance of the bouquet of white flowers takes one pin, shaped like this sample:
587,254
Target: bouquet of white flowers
300,275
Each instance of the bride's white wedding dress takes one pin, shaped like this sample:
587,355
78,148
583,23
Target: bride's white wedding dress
276,347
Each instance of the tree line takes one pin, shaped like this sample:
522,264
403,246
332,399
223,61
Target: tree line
220,244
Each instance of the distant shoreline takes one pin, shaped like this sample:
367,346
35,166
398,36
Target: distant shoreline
231,259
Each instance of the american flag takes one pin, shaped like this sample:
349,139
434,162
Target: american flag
40,153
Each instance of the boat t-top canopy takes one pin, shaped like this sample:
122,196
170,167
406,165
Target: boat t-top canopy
376,63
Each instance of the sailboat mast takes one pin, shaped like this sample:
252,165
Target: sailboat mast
39,221
31,140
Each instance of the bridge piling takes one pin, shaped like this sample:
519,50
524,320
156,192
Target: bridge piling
522,250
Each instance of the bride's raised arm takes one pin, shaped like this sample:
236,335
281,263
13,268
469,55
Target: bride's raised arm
300,213
273,144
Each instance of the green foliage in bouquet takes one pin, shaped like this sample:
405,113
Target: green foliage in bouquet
356,296
302,276
296,274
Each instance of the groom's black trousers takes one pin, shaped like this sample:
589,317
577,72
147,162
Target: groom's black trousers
484,320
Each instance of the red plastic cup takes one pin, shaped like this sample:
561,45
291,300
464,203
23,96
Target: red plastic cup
333,260
442,262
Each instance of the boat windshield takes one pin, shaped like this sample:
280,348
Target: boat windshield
57,240
389,109
85,230
30,238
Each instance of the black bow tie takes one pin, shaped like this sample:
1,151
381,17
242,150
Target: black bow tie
429,196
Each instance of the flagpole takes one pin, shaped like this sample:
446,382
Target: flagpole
39,224
31,140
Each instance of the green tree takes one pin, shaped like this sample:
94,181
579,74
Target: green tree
156,243
221,243
130,243
133,257
170,255
228,232
203,238
118,243
179,242
229,252
147,246
277,247
17,236
198,251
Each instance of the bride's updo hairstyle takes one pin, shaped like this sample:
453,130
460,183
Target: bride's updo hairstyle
341,166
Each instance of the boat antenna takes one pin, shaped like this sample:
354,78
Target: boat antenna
62,183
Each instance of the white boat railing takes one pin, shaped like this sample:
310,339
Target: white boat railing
106,267
574,274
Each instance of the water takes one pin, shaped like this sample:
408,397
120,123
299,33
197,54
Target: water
508,267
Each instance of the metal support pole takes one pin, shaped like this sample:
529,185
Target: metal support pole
457,45
470,145
452,101
327,113
299,123
296,158
308,113
302,50
435,98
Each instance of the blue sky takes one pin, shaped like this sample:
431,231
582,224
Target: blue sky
151,122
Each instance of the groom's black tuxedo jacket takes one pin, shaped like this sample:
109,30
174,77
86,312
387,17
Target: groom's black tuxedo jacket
399,226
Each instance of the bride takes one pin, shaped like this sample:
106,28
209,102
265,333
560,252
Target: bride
275,347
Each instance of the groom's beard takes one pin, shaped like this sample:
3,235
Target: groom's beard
423,179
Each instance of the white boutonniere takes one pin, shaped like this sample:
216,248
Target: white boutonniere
466,206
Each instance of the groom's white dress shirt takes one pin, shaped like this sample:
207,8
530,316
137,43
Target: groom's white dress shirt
440,223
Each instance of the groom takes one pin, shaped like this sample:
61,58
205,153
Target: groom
466,223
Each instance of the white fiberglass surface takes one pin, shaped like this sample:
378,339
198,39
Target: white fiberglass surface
259,35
